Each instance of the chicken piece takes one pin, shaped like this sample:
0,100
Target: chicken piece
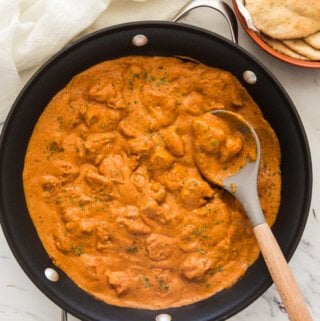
192,103
161,107
121,282
175,177
73,196
156,212
81,226
140,178
139,146
173,142
81,130
194,267
231,148
160,159
66,171
95,267
97,181
101,119
135,226
165,281
61,240
50,185
194,192
74,145
71,214
216,137
159,247
128,193
79,109
221,87
78,105
117,101
187,244
219,215
114,168
156,191
127,129
107,88
86,226
136,69
104,241
209,134
130,218
95,141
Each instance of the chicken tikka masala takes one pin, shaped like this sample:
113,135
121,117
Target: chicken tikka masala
115,193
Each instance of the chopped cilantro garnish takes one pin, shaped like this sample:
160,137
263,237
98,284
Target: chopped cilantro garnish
76,250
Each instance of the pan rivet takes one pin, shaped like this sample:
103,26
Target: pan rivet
51,274
139,40
163,317
249,77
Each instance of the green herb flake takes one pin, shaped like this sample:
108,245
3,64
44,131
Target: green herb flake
145,75
220,269
132,249
83,118
161,81
214,144
196,232
211,272
130,83
60,120
178,130
146,281
202,251
53,148
136,75
163,286
76,250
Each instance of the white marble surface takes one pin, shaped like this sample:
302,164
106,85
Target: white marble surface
20,300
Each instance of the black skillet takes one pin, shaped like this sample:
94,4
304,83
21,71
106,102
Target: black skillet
163,39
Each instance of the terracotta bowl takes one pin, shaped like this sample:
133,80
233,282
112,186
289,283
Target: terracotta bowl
270,50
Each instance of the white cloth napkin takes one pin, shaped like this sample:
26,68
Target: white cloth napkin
33,30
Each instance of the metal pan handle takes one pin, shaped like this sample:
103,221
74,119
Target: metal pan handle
217,5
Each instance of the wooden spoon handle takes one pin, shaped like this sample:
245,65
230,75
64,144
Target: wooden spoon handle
281,274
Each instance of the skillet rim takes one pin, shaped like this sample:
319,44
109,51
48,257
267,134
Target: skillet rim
183,27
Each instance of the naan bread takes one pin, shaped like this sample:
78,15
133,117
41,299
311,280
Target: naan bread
285,19
303,48
313,40
279,46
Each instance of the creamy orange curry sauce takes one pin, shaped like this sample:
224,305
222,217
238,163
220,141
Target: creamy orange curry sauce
113,188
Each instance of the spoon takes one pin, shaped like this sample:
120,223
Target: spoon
243,185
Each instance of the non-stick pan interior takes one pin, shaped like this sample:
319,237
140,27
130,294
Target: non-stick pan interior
164,39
